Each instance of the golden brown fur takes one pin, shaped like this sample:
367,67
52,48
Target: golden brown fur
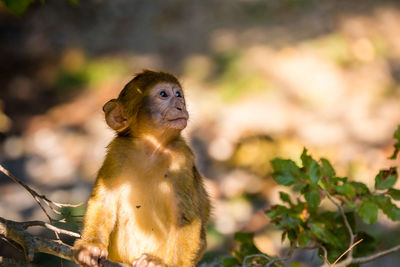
148,206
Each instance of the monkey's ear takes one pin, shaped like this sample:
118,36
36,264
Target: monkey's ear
115,115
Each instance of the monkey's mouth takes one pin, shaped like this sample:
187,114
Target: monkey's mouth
178,122
178,119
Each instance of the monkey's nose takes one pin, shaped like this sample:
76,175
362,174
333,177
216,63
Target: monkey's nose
178,108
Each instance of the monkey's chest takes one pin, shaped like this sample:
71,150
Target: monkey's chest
163,191
149,213
156,200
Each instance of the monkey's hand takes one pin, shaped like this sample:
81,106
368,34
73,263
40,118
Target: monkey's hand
90,255
147,260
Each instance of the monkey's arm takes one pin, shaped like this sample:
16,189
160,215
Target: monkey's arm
204,199
190,236
204,209
99,221
100,215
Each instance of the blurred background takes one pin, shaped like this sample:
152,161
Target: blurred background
262,78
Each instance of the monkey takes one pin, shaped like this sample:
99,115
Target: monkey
149,206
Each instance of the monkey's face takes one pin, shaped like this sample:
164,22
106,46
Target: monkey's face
161,110
167,107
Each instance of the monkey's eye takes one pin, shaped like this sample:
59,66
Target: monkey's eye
178,94
163,94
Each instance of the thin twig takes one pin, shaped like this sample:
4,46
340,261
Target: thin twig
344,253
325,256
37,197
49,226
34,194
69,215
346,222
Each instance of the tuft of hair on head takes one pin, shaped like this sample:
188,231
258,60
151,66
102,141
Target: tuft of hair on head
145,80
135,90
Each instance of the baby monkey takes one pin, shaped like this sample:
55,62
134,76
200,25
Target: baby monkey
148,206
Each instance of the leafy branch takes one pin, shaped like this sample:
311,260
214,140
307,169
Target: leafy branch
307,225
336,234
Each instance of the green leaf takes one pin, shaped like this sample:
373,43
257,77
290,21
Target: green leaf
387,206
318,231
311,166
333,239
243,237
313,198
360,188
346,190
394,193
304,238
352,205
305,189
286,171
295,264
386,179
324,233
392,211
17,7
292,236
314,172
368,211
397,144
327,169
285,197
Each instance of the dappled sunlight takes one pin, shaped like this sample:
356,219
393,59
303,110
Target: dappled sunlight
156,145
232,215
261,79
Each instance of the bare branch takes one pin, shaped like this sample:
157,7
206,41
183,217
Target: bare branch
16,231
375,256
369,258
49,226
37,197
31,244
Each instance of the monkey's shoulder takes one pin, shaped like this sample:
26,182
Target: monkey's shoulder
180,146
123,151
